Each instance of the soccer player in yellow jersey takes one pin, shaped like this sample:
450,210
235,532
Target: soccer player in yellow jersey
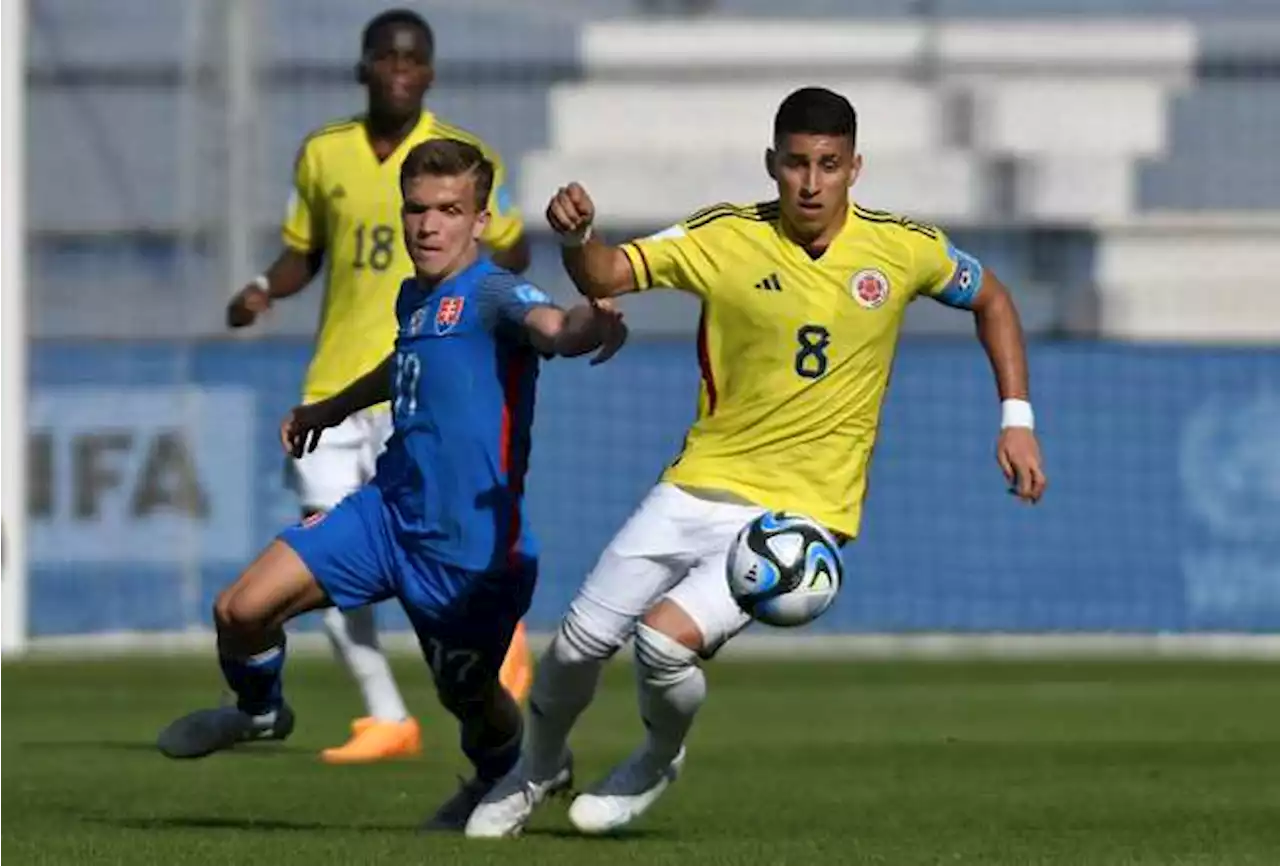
802,301
345,210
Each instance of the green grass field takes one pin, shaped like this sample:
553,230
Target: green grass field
803,762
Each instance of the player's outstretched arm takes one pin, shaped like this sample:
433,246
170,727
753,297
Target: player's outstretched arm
300,431
1000,332
289,274
583,329
597,269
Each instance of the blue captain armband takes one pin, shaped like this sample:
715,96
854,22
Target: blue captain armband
961,290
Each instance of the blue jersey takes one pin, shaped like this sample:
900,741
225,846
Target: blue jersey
452,475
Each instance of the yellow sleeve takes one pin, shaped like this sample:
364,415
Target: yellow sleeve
675,257
941,270
506,224
303,227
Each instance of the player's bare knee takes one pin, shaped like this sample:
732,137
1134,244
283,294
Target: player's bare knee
221,612
660,658
236,613
225,610
673,621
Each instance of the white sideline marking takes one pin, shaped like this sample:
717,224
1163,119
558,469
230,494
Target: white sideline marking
759,645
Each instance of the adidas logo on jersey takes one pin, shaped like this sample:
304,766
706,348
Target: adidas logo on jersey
769,284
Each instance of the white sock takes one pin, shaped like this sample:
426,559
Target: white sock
672,688
563,685
354,636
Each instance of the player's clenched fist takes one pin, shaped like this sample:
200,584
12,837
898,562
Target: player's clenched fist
248,303
571,212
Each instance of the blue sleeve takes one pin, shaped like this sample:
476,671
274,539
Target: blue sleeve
506,299
965,280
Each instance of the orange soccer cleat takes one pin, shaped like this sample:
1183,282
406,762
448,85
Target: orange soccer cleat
376,740
517,668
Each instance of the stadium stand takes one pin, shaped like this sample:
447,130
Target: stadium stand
969,119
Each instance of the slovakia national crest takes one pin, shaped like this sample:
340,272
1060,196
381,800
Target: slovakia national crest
448,314
870,288
415,322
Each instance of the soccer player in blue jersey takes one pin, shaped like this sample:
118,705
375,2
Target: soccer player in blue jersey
440,526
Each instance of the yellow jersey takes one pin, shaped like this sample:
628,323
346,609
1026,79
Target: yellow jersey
795,352
347,203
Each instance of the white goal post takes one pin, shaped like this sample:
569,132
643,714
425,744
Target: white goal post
13,324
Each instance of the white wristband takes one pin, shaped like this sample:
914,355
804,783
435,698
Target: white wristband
578,238
261,282
1016,413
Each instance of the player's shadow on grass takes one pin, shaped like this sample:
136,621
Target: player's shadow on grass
241,825
255,750
269,825
627,835
91,745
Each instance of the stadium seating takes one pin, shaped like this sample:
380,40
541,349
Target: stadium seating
934,107
975,119
1201,276
1047,122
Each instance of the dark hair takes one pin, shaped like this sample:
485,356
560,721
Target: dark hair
815,111
392,17
448,157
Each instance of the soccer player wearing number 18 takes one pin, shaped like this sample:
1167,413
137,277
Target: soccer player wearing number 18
802,301
345,209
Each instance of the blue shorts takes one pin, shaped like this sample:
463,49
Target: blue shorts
464,619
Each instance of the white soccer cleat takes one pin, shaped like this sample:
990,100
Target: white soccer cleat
506,809
625,795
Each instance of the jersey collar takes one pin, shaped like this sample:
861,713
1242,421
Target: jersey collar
421,131
802,254
460,281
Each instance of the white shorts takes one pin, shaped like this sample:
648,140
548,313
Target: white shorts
342,462
674,546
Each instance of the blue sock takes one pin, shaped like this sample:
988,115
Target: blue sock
256,680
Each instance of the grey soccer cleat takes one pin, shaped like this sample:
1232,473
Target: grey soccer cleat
207,731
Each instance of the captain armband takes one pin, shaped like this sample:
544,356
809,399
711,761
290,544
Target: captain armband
966,280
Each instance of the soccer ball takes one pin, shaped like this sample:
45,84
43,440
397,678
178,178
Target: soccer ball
784,569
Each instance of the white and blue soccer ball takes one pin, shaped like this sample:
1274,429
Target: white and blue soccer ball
784,569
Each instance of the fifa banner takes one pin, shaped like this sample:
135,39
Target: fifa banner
155,475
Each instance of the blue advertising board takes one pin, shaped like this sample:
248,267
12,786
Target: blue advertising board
156,475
